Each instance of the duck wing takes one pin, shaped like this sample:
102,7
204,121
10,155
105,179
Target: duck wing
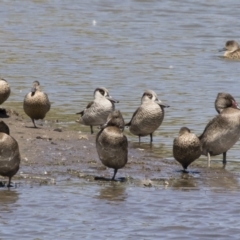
88,106
134,114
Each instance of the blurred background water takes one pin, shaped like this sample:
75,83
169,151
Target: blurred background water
72,47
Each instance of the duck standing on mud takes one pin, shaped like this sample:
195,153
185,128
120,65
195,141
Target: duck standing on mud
9,154
97,111
223,131
112,144
148,117
186,147
36,103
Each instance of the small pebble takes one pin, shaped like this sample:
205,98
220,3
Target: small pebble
82,137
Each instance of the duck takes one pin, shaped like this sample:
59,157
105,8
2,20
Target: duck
36,103
4,90
9,154
224,100
186,147
232,50
97,111
223,131
148,117
112,144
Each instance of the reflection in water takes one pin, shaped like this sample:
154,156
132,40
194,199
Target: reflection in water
185,182
220,179
7,198
113,192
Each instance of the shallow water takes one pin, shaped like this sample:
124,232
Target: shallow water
72,47
73,210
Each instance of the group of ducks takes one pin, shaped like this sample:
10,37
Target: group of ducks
36,104
220,134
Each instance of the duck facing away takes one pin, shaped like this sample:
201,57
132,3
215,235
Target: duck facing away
36,103
112,144
97,111
232,50
186,147
222,132
4,91
9,154
148,117
223,101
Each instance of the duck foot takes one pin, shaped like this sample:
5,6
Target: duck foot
5,184
122,179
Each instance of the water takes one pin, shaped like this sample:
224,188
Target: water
72,47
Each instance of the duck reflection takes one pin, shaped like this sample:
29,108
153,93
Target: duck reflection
112,192
184,182
7,199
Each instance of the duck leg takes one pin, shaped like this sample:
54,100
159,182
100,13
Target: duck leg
224,159
9,182
115,172
34,123
139,138
91,127
209,159
151,137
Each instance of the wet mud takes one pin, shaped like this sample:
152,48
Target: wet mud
52,153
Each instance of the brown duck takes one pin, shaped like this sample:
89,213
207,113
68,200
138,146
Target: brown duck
186,147
231,50
223,131
112,144
9,154
148,117
36,103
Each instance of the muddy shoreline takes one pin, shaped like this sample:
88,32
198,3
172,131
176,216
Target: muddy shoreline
52,153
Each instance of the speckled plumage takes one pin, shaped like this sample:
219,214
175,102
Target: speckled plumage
232,50
221,133
9,154
186,147
148,117
112,144
96,112
4,91
36,103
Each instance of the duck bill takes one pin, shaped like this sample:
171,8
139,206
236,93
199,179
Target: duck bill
33,90
112,99
235,105
161,104
222,50
105,124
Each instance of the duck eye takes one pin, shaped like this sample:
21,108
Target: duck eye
101,91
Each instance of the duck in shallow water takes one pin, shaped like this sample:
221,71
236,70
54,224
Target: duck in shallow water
232,50
36,103
148,117
112,144
186,147
97,111
9,154
4,90
223,131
